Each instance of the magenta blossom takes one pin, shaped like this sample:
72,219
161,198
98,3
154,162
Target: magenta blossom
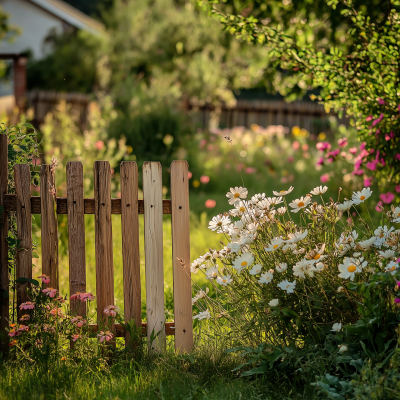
358,172
342,142
397,300
370,117
378,207
376,122
399,108
50,292
27,306
353,150
322,146
372,165
367,182
397,188
387,198
324,178
320,161
333,153
44,278
397,156
381,101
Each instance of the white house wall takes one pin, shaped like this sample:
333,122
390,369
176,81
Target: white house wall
35,24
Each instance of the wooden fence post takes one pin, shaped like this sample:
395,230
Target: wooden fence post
76,235
4,280
130,245
103,239
22,177
153,246
49,227
181,256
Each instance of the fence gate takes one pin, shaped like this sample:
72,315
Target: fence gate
102,206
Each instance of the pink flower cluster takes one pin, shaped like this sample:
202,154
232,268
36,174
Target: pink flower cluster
44,278
104,336
79,321
111,311
27,306
82,296
50,292
16,331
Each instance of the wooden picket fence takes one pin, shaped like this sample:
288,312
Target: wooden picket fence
103,206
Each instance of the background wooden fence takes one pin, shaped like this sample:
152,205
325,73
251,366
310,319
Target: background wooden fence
102,206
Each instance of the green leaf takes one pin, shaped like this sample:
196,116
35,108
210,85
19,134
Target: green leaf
24,280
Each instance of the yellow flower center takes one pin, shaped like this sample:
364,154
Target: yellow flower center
382,235
393,268
282,191
362,198
244,263
219,223
351,268
317,256
236,195
276,246
224,280
301,204
242,209
287,286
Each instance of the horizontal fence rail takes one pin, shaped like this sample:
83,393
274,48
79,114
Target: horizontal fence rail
102,206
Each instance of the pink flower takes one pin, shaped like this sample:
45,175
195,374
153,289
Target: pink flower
399,108
367,182
324,178
320,161
358,172
376,122
353,150
397,156
82,296
210,203
104,336
44,278
111,311
189,174
50,292
387,137
333,153
250,170
75,337
379,207
305,147
295,145
202,143
322,146
290,159
79,321
387,198
99,144
204,179
372,165
362,146
397,300
342,142
381,101
25,317
23,328
397,188
370,118
57,312
27,306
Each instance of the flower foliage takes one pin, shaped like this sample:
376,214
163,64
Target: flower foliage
291,276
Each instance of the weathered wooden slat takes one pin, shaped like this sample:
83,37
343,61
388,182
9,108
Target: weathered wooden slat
22,177
130,243
76,235
103,238
120,332
181,256
10,205
49,228
4,280
153,245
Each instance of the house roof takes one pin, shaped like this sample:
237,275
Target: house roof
71,15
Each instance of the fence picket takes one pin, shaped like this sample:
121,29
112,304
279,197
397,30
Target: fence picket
153,242
4,281
22,178
130,244
181,256
103,238
49,228
76,234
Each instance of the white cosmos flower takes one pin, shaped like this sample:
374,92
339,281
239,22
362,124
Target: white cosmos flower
252,228
224,280
200,294
396,214
345,206
287,286
298,204
275,244
266,277
296,236
339,289
243,261
337,327
203,315
366,244
317,267
387,253
381,234
392,267
234,247
350,267
257,197
212,272
194,267
263,205
256,269
319,190
283,192
289,246
273,201
360,197
219,223
273,302
240,208
281,267
318,253
342,348
247,238
236,193
301,268
281,210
